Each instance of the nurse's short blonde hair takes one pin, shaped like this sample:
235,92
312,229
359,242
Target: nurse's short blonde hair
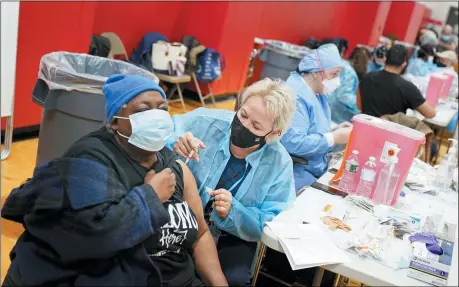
279,101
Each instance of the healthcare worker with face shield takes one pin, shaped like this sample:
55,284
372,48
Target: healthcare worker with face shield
244,174
379,59
310,136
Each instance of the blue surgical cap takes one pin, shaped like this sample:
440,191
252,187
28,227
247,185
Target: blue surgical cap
121,89
323,58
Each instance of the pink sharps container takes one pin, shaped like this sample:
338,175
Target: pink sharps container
435,88
371,135
447,85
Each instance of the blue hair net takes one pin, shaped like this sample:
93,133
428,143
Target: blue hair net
323,58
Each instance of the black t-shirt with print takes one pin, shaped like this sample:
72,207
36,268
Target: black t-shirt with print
384,93
171,246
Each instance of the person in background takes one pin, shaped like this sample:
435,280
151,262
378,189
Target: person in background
244,174
447,40
387,93
310,137
343,100
341,44
427,37
359,59
378,60
446,60
118,208
423,64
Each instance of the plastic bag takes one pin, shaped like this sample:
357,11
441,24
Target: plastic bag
86,73
397,253
370,242
287,49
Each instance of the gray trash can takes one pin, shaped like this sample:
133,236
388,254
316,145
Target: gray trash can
69,88
280,59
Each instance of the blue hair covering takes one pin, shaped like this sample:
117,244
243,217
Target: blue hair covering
323,58
121,89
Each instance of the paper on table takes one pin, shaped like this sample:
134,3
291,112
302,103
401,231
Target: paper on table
313,213
308,246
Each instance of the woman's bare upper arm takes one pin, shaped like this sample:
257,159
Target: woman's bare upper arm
191,196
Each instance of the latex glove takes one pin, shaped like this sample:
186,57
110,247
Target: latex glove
341,135
187,145
343,125
222,201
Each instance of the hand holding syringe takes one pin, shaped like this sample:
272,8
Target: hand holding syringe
187,146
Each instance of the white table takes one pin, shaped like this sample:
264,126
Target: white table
367,271
445,113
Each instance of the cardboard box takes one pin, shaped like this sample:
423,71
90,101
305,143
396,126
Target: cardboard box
431,268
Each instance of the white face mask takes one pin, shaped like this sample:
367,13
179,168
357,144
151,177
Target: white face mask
150,129
331,85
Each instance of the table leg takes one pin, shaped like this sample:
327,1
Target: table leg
261,254
336,282
442,134
318,277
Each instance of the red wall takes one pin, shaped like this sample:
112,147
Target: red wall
295,22
237,42
427,16
46,27
132,20
404,21
230,28
363,22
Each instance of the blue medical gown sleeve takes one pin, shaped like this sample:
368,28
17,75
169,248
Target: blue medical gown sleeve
247,222
298,141
347,92
182,124
417,67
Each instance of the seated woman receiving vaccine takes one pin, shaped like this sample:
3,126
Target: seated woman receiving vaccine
244,174
117,209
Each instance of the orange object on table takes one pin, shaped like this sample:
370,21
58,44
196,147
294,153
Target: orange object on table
338,175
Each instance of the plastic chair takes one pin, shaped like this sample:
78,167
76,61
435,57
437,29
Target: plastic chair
117,46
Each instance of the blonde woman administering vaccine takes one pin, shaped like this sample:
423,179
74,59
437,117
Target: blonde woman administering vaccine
244,174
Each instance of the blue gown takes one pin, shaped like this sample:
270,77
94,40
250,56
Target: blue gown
372,67
267,186
343,101
305,137
419,68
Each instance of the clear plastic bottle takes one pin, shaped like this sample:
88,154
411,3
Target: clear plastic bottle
388,177
445,170
347,182
385,187
367,178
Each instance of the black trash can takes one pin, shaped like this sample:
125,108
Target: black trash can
280,59
69,88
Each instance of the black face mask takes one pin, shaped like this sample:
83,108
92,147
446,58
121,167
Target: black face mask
242,137
441,65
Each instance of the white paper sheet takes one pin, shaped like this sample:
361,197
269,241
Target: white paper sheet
307,246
